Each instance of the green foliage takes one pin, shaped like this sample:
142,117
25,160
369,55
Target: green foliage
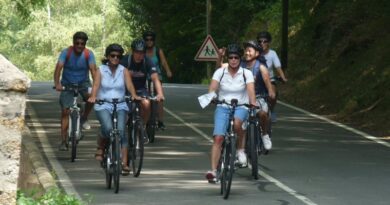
51,197
34,44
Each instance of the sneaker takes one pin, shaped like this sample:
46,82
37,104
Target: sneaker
146,139
63,146
242,160
85,125
211,177
273,117
266,142
161,125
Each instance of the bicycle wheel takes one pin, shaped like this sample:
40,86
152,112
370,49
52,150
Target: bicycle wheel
252,144
137,150
107,165
73,137
220,168
117,162
230,156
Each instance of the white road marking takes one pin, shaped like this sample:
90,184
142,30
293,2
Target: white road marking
261,173
358,132
64,179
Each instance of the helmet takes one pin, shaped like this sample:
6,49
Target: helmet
234,49
80,35
114,48
264,34
138,45
149,33
253,44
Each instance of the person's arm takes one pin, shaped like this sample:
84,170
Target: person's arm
92,65
164,63
250,87
157,84
267,81
278,67
57,74
221,54
95,87
130,85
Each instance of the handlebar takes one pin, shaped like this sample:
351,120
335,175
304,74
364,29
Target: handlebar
114,101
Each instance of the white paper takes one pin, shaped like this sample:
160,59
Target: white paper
205,99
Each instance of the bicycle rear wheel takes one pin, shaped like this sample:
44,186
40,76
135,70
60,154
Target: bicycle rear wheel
137,149
151,125
252,144
117,162
73,133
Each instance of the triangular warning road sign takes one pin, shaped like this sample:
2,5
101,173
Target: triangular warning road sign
208,51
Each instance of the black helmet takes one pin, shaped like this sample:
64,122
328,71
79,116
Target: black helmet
138,45
234,49
149,33
80,35
253,44
114,48
264,34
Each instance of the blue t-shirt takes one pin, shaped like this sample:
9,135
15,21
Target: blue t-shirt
76,68
260,87
139,71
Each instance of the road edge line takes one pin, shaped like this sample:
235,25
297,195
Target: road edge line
338,124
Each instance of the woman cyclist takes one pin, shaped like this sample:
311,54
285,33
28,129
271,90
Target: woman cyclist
231,82
111,81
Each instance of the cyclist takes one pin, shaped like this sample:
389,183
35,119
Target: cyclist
140,66
75,63
231,82
263,86
264,39
111,81
157,55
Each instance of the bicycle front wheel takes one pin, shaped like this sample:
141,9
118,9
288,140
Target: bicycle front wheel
117,162
137,149
230,155
107,166
73,135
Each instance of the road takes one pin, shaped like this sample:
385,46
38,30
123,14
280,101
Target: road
312,161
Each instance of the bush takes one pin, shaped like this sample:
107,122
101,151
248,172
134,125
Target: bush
51,197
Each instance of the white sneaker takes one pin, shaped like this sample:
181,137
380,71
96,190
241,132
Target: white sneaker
86,125
241,157
266,142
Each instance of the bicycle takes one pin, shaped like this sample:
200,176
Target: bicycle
74,128
226,166
152,124
112,163
136,137
253,140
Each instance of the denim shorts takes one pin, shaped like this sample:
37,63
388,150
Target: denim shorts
105,119
221,118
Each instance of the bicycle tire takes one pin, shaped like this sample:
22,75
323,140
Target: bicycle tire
116,162
73,123
229,161
252,143
220,168
138,149
152,125
107,166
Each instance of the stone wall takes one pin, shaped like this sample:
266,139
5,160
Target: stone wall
13,88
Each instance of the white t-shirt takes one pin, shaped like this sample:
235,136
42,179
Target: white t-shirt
233,87
272,62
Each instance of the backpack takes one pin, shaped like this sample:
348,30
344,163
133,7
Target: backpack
85,51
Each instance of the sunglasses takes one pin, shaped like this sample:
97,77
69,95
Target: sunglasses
115,56
81,43
233,57
149,39
263,41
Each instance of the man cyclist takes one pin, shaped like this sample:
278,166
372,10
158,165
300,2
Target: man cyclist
157,55
264,39
263,86
231,82
75,63
140,67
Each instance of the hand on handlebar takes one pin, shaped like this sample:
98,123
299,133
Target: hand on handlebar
92,99
160,97
58,87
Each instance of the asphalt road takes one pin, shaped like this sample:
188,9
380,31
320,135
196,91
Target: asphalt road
312,161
